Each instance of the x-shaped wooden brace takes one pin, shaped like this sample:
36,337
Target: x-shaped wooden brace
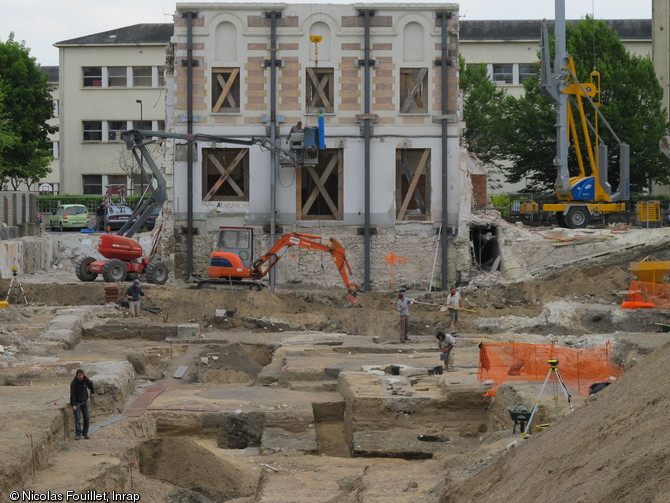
421,168
413,88
225,89
407,173
226,175
320,188
320,87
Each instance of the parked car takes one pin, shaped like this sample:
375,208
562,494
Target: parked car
70,216
116,215
151,219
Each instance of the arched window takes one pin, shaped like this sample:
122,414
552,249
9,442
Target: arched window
412,42
225,40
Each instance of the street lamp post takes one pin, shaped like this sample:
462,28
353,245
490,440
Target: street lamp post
140,102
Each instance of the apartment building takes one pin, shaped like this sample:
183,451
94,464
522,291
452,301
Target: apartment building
109,82
510,48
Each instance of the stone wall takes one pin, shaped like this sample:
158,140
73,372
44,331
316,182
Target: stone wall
404,255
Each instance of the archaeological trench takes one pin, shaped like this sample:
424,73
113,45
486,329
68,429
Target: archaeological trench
293,396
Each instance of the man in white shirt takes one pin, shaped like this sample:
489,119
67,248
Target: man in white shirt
454,303
445,342
402,306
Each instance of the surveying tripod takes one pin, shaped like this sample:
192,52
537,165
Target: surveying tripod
15,276
557,382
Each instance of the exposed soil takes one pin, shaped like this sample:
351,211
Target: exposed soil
263,413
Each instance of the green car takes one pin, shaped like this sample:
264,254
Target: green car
70,216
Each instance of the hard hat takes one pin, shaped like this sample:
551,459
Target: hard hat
137,281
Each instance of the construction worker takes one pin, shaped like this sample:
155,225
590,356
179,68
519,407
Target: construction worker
134,295
402,306
454,303
446,343
295,129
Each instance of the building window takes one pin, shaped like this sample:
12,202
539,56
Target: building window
54,149
225,174
503,74
92,76
161,76
138,185
320,187
413,90
56,104
114,130
92,184
413,184
142,76
160,125
143,125
92,130
225,90
117,76
526,72
320,89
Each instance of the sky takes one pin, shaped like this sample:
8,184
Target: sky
42,23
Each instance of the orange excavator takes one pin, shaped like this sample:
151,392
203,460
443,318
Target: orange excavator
231,262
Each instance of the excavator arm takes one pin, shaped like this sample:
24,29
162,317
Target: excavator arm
262,266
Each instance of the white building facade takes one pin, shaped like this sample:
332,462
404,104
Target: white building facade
381,192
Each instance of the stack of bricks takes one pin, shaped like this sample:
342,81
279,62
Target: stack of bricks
112,294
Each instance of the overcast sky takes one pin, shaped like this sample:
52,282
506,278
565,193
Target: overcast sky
41,23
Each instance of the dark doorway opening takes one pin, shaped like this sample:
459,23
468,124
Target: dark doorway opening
484,248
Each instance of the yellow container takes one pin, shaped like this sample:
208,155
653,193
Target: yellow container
648,212
650,270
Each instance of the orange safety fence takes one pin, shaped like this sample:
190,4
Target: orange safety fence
579,368
645,294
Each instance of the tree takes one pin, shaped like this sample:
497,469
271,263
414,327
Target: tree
25,107
483,114
628,83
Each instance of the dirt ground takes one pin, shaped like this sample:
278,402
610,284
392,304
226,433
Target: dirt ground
257,416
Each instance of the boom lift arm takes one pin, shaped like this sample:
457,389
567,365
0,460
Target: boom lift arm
137,141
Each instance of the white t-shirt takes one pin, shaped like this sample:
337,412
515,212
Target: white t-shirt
448,340
454,300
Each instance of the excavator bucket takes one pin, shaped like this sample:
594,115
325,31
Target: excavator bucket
352,298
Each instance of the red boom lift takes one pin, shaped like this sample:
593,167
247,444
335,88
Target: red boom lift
123,253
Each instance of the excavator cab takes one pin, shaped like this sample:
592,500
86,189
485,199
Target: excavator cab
237,240
233,255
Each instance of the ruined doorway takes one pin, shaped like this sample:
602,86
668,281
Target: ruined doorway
485,248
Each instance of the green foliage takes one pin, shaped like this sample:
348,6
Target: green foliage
501,200
25,107
631,101
483,111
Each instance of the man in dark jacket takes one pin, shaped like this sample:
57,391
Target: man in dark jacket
134,295
79,402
